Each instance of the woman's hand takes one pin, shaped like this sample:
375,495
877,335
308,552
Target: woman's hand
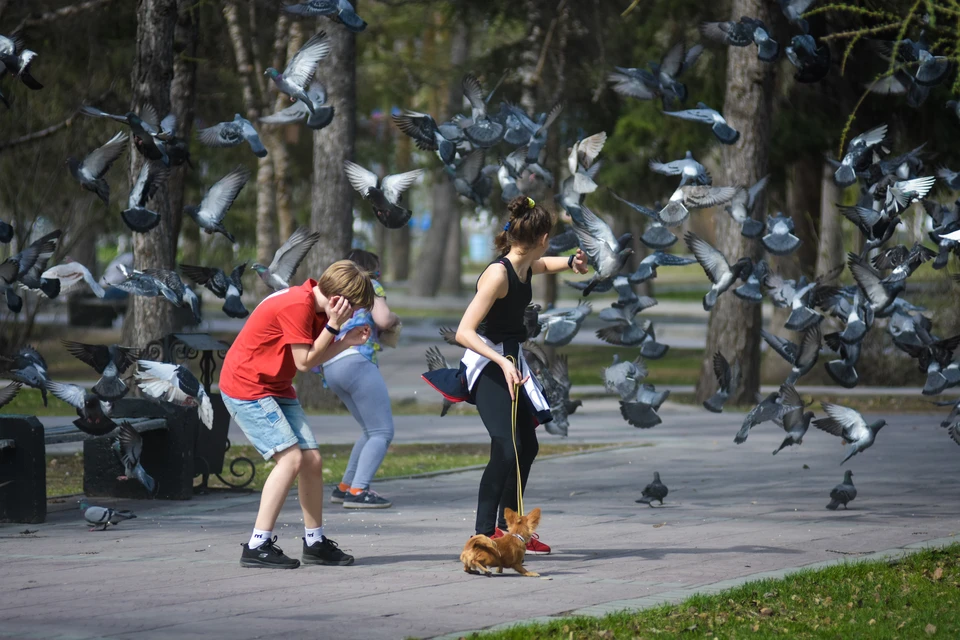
512,376
580,262
339,311
356,336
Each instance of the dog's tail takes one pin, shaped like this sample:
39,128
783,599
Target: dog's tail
478,542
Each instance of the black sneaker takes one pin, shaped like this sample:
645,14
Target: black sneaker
325,552
267,556
366,499
337,496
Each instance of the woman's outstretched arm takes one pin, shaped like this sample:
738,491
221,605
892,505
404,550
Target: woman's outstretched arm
560,264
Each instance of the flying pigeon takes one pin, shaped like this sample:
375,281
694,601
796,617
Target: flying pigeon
689,170
341,11
843,371
858,155
741,207
217,201
881,295
794,422
715,265
26,268
426,135
554,379
661,79
656,235
150,180
928,70
624,377
90,172
721,130
693,197
843,493
656,490
559,326
479,129
794,9
849,425
174,383
129,448
232,134
435,360
728,381
16,59
9,392
742,34
902,261
287,259
812,59
641,411
469,178
93,411
647,268
803,357
103,517
780,240
774,406
384,195
582,156
601,246
71,274
227,288
299,72
751,289
27,367
321,115
109,361
151,136
6,232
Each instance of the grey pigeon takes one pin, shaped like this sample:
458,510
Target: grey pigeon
299,71
287,259
849,425
811,58
469,179
661,80
9,392
318,118
26,268
426,134
341,11
721,130
27,367
112,274
928,70
600,245
384,195
581,159
93,412
772,407
151,136
562,242
479,129
656,235
227,288
752,287
522,130
741,206
647,268
742,34
949,178
435,360
641,411
858,155
794,9
217,201
843,493
715,265
149,181
690,197
90,172
559,326
795,421
728,381
902,261
110,361
779,239
843,371
174,383
933,357
151,283
803,357
624,377
897,195
876,226
16,59
6,232
103,517
626,332
554,379
689,170
232,134
129,448
656,490
881,295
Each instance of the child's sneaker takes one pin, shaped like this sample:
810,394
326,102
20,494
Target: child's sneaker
267,556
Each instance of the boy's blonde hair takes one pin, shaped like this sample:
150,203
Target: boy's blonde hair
346,278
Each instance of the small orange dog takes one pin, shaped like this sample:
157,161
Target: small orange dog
481,553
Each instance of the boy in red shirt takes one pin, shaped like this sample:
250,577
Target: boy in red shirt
291,330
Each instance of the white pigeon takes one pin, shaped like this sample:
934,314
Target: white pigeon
70,275
175,384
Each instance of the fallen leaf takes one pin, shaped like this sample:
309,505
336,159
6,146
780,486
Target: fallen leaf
872,621
766,611
930,629
756,627
806,466
657,526
938,573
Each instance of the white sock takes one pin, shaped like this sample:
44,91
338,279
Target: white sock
259,537
313,536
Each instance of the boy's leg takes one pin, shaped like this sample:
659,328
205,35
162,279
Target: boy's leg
277,486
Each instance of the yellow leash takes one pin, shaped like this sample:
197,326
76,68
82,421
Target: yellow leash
513,430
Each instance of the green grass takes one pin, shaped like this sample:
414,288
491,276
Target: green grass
65,471
914,597
679,366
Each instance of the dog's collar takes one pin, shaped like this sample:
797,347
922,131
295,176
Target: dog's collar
517,535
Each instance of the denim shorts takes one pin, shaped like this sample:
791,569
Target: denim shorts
271,424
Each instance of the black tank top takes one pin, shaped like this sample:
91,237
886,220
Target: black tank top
504,321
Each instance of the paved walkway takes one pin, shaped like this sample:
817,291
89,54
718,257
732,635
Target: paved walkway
733,511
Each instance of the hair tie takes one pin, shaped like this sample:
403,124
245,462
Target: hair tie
530,203
506,227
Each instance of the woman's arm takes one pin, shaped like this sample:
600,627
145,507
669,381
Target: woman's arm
560,264
382,316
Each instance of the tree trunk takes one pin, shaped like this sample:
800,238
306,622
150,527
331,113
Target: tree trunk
830,249
151,318
398,241
450,280
281,153
182,104
735,325
803,205
433,249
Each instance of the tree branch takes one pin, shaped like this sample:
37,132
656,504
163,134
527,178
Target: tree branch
36,20
38,135
244,69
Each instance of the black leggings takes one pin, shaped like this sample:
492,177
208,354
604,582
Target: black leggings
498,486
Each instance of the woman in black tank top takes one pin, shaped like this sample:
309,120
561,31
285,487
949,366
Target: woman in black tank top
495,317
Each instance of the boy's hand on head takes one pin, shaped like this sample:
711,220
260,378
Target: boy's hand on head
339,310
357,336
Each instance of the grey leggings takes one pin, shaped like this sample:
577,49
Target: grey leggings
360,386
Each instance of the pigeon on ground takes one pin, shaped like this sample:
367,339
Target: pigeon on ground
71,274
16,59
299,71
27,367
721,130
232,134
129,448
176,384
752,287
779,239
728,381
93,411
9,392
150,180
227,288
796,421
341,11
109,361
843,493
693,197
656,490
742,34
689,170
843,371
624,377
217,201
601,246
90,172
715,265
320,117
426,134
647,268
384,195
287,259
103,517
559,326
849,425
661,79
641,411
774,406
435,360
858,155
811,58
741,206
479,129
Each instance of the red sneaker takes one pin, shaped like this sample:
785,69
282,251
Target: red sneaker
536,547
497,533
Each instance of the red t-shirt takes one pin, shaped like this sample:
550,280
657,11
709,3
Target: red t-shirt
260,362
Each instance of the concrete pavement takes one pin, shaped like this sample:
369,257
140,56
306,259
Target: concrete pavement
733,511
